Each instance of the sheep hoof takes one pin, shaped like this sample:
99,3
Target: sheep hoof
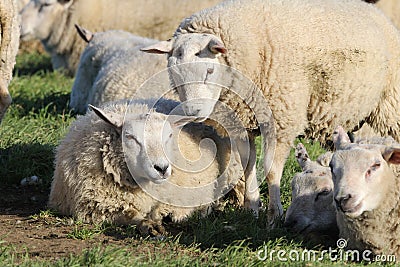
275,216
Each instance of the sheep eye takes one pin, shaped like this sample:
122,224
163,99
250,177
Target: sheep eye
43,6
375,166
131,137
322,193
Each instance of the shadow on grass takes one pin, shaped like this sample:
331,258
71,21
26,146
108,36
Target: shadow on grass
55,103
32,63
25,160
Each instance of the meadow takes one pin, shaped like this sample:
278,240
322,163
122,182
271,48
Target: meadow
32,235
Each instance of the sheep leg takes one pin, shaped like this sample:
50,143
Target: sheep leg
247,151
274,161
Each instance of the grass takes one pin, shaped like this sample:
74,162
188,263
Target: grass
32,128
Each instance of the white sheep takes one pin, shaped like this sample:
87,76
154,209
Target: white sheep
9,41
312,210
112,67
367,194
306,61
52,22
128,163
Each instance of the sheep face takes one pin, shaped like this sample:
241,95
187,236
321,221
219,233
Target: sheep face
362,177
38,18
194,70
146,141
312,208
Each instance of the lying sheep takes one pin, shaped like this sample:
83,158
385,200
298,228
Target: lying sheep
52,22
123,170
9,41
367,194
312,210
112,67
364,231
307,69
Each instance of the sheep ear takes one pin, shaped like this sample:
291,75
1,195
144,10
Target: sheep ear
163,47
114,119
392,155
180,121
217,47
86,35
302,155
340,137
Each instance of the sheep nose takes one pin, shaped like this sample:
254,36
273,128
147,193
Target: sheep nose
162,169
342,201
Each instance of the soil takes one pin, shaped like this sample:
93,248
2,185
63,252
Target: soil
41,236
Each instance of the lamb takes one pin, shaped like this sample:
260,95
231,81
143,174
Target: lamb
312,210
9,41
112,67
367,194
52,22
305,77
165,170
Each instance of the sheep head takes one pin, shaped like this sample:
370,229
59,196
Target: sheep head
362,177
312,208
194,70
39,17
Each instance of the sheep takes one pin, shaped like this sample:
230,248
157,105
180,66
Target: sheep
140,168
32,45
367,194
112,67
312,210
9,41
52,22
305,69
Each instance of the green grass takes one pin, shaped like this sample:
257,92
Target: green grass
32,128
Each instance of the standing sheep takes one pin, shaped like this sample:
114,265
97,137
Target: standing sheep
367,195
112,67
128,164
304,58
312,209
52,22
9,41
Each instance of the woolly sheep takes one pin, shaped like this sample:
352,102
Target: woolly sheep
367,195
307,68
52,22
95,182
112,67
312,209
300,208
9,41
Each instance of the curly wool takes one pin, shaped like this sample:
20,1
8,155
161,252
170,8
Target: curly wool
9,41
307,84
112,67
92,181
